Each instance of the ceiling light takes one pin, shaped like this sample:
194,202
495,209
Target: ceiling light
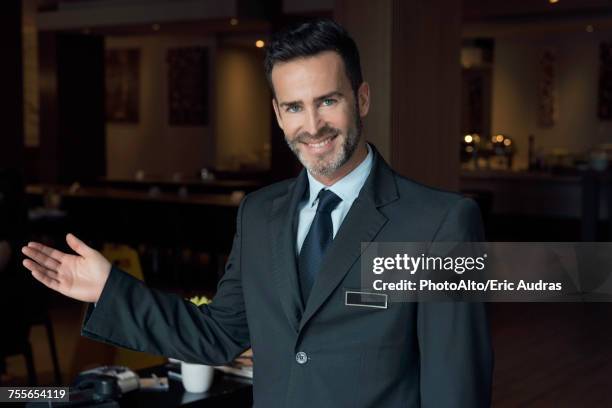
259,43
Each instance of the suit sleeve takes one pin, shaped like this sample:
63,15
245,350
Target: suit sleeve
133,316
456,357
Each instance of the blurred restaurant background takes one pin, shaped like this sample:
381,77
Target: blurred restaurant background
139,125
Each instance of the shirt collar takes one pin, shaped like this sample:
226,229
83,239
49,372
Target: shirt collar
348,187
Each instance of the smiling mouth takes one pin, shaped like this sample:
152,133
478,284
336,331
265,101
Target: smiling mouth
322,143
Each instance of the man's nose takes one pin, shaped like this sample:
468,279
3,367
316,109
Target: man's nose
313,122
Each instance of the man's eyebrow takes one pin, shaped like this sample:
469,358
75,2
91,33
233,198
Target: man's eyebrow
291,103
337,94
332,94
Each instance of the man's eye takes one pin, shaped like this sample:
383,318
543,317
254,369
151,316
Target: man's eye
293,108
328,101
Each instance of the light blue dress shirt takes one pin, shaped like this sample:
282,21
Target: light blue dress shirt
347,188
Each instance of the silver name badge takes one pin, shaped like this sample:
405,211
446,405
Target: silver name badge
366,299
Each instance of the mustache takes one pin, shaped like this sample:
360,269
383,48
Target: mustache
323,133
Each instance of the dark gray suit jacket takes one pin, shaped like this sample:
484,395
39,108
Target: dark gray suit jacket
408,355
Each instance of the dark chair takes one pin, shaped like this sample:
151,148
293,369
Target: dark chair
45,320
23,348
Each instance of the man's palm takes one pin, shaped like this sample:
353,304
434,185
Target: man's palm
80,276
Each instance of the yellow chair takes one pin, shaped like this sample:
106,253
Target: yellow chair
125,258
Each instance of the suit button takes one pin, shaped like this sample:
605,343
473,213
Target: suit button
301,357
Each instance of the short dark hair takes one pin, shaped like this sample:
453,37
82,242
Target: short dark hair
309,39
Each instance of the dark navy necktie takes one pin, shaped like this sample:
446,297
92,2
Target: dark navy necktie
320,235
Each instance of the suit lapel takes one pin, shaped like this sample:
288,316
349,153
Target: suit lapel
362,224
283,236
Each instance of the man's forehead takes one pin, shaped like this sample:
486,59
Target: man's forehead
323,72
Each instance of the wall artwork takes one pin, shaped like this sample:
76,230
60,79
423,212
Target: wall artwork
188,86
547,98
122,85
604,106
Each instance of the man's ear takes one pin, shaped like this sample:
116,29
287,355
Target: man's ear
277,112
363,95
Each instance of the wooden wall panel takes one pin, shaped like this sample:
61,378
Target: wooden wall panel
425,91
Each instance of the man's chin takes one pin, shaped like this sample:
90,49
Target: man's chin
321,168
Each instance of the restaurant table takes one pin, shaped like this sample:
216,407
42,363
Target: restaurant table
117,194
194,185
585,196
226,391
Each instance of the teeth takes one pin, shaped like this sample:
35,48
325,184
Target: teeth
320,144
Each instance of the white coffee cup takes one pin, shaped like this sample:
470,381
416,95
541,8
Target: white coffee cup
197,377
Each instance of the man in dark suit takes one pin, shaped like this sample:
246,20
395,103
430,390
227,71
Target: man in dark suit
295,255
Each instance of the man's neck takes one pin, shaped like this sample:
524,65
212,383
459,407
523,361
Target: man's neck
356,159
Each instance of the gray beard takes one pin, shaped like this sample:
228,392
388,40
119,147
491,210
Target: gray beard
347,149
327,168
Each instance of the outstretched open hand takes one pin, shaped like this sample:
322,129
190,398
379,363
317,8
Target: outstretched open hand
81,276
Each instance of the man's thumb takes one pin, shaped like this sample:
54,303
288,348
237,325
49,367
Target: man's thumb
77,245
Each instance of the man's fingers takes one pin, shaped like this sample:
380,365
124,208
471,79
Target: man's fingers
41,258
53,253
43,275
77,245
34,267
46,280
